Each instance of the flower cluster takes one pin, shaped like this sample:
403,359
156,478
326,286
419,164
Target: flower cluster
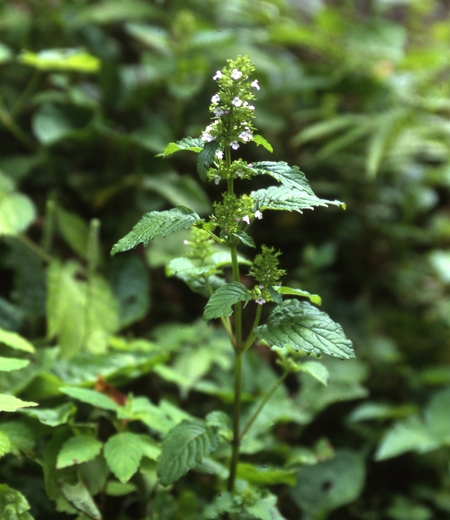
200,245
233,214
266,273
239,169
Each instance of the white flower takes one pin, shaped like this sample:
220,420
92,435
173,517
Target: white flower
245,104
217,76
260,301
251,107
219,154
215,98
258,215
246,136
261,287
250,165
238,220
207,137
236,102
234,145
236,74
217,179
246,219
218,112
255,84
240,173
185,242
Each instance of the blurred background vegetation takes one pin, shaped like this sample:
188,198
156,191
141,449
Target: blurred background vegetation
356,93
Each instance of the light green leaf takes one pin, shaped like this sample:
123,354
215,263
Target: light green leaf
259,140
150,448
61,59
52,416
183,448
17,212
156,223
123,453
79,496
325,128
265,476
5,53
289,199
303,326
437,415
90,397
13,505
222,300
314,298
73,229
5,444
316,370
77,450
8,364
15,341
289,176
19,435
193,144
9,403
186,267
206,157
222,421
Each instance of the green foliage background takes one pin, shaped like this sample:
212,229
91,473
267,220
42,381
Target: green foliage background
356,94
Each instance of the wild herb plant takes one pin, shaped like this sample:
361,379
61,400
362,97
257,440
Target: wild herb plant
292,325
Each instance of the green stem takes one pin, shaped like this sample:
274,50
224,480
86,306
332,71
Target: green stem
252,336
34,247
7,120
263,403
26,92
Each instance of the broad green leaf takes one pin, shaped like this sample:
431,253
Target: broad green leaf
222,421
150,448
77,450
331,484
9,403
15,341
52,416
123,453
275,295
183,448
5,53
303,326
222,300
289,176
5,444
94,474
206,157
73,229
13,505
437,415
115,11
289,199
316,370
19,435
156,223
245,238
265,476
314,298
61,59
8,364
259,140
186,267
90,397
17,212
193,144
79,496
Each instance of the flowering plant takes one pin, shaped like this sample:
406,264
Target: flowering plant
212,248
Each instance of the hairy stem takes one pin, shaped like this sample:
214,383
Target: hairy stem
263,403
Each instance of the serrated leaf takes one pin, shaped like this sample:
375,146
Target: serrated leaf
290,176
13,505
206,157
314,298
8,364
79,496
61,59
289,199
259,140
316,370
15,341
221,302
303,326
9,403
156,223
123,453
52,416
192,144
183,448
90,397
77,450
245,238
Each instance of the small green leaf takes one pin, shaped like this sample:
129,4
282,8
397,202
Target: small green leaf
316,370
221,302
259,140
123,453
13,505
52,416
186,267
183,448
245,238
265,476
303,326
76,450
61,59
289,176
8,364
187,144
79,496
19,435
9,403
275,295
15,341
314,298
91,397
206,157
156,223
5,444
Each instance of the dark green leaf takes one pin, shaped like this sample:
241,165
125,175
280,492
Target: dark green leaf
290,176
188,143
275,295
303,326
52,416
245,238
206,157
221,302
80,497
156,223
183,448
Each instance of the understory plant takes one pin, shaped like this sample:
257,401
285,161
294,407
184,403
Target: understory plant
239,290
